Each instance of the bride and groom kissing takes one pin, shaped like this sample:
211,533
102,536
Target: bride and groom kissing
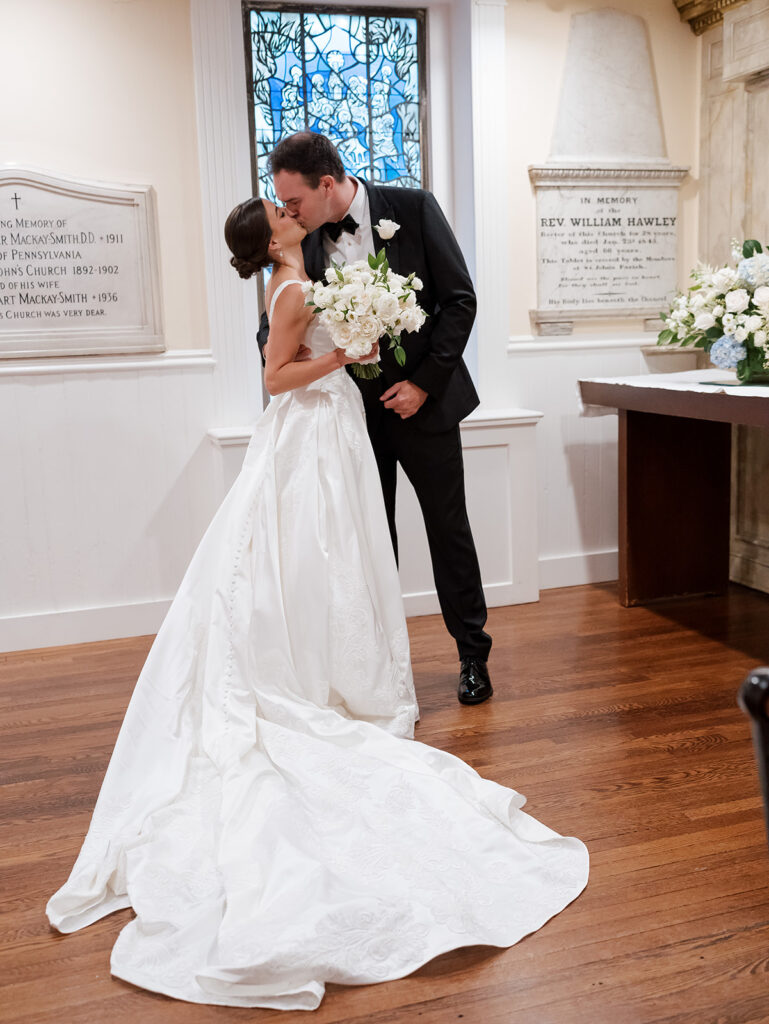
267,811
412,411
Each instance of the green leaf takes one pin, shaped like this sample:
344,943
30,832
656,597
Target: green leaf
750,248
339,274
713,333
400,355
372,262
665,337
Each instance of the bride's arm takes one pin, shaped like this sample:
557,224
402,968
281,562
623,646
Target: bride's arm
288,327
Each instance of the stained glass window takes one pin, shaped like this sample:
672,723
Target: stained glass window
355,76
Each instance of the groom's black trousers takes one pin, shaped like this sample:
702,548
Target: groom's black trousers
433,463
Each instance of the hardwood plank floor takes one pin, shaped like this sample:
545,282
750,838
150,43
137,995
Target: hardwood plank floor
619,724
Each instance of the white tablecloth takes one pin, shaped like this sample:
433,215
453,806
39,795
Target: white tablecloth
708,380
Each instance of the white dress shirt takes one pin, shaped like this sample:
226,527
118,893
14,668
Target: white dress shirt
348,248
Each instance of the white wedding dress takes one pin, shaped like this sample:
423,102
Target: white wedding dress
265,812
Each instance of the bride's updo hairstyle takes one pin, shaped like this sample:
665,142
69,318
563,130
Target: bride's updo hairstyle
247,234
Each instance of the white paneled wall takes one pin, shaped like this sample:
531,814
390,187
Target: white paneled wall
107,485
500,459
577,454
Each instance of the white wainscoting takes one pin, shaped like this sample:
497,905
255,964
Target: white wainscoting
499,448
108,483
576,454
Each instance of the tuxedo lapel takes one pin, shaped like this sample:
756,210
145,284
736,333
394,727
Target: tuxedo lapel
380,209
312,248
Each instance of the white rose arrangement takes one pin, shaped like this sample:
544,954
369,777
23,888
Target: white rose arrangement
361,302
726,313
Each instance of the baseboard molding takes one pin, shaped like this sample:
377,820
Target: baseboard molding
81,625
86,625
497,595
576,570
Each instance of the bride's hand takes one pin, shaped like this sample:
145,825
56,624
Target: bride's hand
345,360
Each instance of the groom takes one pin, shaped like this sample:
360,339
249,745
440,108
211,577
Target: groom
412,412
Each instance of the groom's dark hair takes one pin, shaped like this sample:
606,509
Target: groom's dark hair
309,154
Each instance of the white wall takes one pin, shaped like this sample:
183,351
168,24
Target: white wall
108,479
576,456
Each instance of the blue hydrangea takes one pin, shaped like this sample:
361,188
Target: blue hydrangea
754,271
726,352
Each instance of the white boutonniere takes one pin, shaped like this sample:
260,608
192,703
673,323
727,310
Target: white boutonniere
386,229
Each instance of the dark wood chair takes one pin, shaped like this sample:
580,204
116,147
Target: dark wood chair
753,698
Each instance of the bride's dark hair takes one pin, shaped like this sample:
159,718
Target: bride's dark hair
247,234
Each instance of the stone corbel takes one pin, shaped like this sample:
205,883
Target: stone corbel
703,14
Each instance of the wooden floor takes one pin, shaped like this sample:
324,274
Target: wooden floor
619,724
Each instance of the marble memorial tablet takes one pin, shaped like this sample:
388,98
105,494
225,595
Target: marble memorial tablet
78,267
604,248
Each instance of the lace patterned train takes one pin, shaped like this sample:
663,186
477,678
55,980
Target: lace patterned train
265,811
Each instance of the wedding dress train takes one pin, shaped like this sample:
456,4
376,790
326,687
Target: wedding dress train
265,812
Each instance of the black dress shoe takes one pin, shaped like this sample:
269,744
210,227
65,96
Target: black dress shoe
474,682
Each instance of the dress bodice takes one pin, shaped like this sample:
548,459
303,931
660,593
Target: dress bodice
317,339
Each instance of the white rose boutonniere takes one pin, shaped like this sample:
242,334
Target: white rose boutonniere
386,229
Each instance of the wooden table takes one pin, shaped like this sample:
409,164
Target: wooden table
674,477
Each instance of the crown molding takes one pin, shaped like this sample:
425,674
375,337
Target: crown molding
703,14
625,174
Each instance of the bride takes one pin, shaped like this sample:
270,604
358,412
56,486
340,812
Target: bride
266,812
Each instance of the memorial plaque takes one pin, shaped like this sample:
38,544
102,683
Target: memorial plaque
605,248
78,267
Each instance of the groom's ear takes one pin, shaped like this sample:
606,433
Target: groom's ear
326,183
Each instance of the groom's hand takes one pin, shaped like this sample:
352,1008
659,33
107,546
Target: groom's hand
404,398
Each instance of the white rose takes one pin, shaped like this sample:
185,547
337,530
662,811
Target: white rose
342,334
698,300
737,301
323,296
411,319
331,275
366,327
754,322
353,290
704,322
718,311
740,334
724,279
416,282
760,339
387,307
386,229
761,295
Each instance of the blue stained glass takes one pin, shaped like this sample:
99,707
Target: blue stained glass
353,77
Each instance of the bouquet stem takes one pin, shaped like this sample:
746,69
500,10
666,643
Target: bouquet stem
366,371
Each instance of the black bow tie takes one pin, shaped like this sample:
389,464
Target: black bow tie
335,228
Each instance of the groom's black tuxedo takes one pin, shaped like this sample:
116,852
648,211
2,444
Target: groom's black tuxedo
424,245
427,445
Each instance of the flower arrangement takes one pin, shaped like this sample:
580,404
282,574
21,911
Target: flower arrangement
362,302
726,313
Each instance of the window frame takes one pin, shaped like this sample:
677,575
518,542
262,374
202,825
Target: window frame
419,14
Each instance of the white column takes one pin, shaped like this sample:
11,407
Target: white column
491,186
225,178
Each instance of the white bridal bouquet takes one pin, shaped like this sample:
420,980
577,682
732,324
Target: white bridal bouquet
726,312
362,302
